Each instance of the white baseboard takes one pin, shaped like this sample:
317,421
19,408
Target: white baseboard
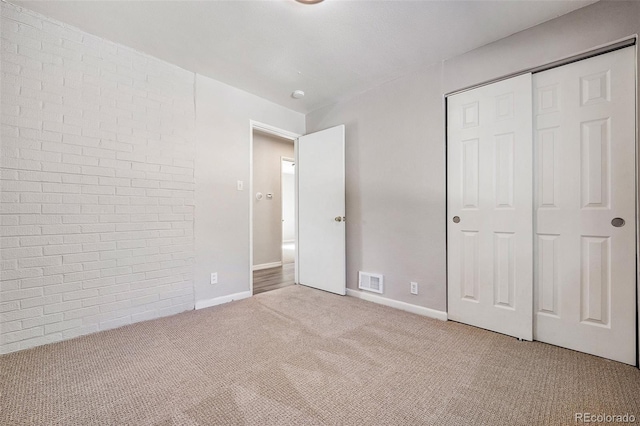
415,309
222,299
267,266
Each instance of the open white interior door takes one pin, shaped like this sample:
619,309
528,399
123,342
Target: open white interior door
321,210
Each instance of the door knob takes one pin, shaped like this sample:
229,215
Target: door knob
618,222
456,219
338,219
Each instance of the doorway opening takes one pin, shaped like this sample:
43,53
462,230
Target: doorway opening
319,242
273,214
288,191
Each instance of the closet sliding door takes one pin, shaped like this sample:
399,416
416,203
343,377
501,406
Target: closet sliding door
585,195
542,235
489,168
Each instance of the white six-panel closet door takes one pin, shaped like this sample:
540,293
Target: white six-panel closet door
489,221
584,187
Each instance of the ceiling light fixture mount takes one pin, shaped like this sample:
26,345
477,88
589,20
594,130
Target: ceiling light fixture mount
297,94
309,1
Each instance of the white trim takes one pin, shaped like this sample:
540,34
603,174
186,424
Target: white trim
296,258
222,299
288,241
403,306
265,128
267,266
637,117
565,60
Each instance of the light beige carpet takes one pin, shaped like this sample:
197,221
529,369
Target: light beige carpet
304,357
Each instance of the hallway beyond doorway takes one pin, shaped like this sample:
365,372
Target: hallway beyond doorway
273,278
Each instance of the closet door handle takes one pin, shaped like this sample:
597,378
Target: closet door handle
618,222
456,219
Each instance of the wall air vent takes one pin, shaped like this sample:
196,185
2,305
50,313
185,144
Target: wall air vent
370,282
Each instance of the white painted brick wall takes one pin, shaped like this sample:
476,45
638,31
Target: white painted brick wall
96,179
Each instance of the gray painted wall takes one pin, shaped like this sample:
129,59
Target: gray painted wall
267,213
583,30
223,115
395,185
395,147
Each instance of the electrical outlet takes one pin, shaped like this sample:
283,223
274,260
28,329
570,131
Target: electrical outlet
414,288
214,278
240,185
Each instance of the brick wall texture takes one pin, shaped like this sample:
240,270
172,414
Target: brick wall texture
97,183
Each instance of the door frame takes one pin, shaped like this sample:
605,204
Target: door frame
281,133
598,50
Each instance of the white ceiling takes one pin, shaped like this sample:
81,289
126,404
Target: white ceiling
331,50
